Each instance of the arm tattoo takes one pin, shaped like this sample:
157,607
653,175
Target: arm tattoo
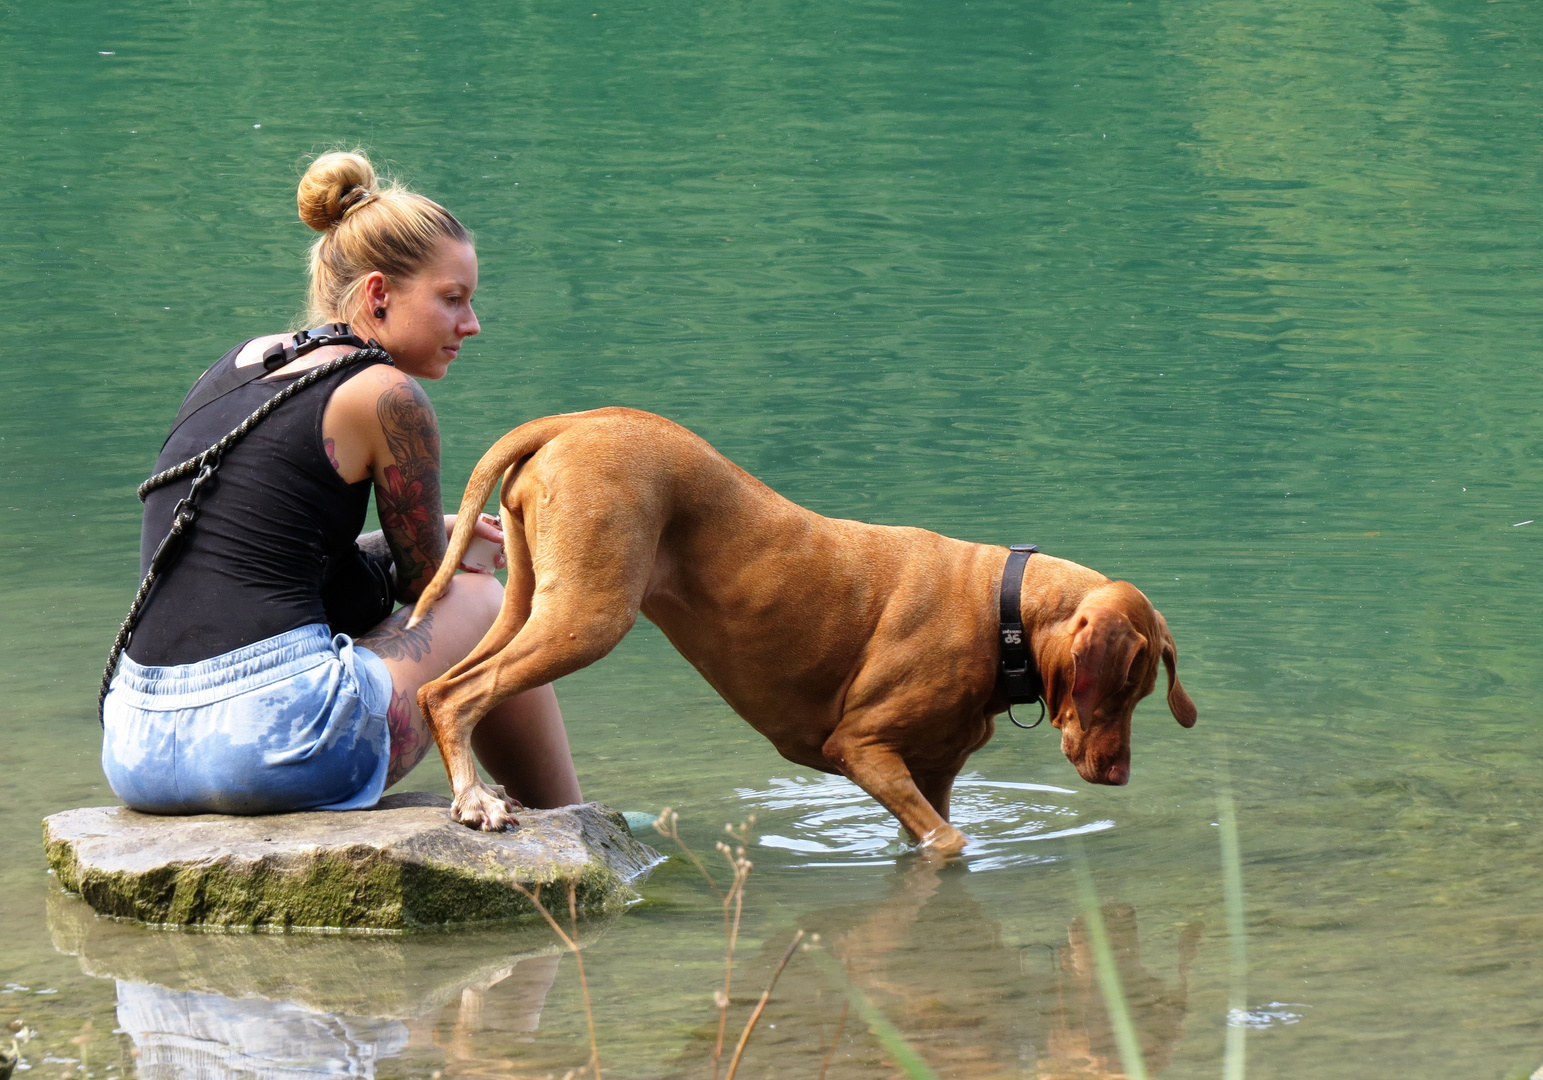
407,496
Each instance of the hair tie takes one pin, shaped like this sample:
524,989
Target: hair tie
354,198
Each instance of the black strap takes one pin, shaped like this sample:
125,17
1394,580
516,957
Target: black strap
183,513
219,380
222,380
1018,673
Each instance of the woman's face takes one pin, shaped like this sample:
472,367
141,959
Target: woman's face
428,315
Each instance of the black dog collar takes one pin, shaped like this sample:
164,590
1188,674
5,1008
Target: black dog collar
1017,672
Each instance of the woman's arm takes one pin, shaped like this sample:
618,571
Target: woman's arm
380,425
406,475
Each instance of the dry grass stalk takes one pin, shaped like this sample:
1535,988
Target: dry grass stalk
667,825
760,1006
740,868
841,1023
573,947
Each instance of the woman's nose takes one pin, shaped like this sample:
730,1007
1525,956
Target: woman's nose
471,327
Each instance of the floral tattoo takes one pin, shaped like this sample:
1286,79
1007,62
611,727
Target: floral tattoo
392,640
409,736
407,497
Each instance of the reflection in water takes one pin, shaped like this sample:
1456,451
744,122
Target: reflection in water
829,821
299,1007
1082,1042
185,1033
937,965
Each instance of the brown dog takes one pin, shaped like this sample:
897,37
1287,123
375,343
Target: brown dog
865,650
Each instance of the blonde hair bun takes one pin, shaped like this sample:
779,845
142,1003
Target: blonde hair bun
333,185
364,227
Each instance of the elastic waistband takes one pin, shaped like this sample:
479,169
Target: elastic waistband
247,668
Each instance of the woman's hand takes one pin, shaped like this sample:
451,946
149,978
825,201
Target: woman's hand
487,528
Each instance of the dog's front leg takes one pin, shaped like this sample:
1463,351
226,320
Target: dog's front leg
880,771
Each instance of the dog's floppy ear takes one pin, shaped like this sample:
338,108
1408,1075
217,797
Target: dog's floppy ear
1103,649
1179,702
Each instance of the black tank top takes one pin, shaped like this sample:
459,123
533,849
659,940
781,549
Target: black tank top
275,514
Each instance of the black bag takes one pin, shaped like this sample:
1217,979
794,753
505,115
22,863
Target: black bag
358,591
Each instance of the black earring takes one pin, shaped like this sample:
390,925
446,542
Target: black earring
380,313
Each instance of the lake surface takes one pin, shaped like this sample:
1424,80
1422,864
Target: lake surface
1235,300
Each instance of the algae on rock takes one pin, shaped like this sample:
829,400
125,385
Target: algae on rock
401,865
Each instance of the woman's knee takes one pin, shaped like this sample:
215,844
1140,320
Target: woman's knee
475,598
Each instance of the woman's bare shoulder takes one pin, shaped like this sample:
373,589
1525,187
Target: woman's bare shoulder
379,397
366,388
252,351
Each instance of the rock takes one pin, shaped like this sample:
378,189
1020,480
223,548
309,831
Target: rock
401,865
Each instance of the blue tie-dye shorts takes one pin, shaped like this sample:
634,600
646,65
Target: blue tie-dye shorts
296,722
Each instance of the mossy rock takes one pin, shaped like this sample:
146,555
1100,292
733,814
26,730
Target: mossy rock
402,865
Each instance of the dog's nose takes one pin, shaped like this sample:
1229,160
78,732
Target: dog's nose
1118,775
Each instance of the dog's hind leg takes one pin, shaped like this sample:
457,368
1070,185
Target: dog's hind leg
586,590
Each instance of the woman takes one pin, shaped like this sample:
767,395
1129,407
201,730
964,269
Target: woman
234,694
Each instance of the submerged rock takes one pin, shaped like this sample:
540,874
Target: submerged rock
401,865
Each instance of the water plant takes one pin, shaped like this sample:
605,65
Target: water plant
1109,985
1115,1003
905,1058
901,1052
1237,930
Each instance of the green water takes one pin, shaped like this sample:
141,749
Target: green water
1236,300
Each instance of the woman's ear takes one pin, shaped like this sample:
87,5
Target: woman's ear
375,292
1179,702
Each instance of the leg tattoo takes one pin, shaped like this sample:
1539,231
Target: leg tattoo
409,736
392,640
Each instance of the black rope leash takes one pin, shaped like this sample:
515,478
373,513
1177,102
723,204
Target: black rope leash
204,465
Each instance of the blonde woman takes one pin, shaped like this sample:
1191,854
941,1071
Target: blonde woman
237,692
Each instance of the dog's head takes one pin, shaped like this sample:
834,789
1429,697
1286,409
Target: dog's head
1096,666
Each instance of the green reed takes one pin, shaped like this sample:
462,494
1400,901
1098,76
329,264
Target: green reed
1115,1003
901,1052
1237,930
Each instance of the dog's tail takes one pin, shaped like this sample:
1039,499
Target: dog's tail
501,456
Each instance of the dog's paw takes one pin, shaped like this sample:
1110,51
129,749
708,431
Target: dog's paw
485,806
943,842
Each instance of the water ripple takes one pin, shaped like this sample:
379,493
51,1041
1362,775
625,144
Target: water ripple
830,822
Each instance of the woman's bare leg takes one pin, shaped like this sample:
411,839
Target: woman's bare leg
523,745
522,742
